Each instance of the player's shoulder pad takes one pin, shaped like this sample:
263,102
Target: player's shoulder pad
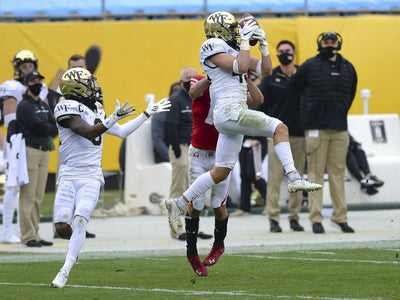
11,88
211,47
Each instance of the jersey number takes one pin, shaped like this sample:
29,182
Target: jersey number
97,140
242,77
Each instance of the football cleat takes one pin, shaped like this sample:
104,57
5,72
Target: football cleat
213,256
197,266
173,214
302,185
60,280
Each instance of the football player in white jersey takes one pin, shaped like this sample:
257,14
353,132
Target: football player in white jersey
81,122
227,62
11,92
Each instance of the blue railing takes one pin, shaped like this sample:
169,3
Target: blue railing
102,9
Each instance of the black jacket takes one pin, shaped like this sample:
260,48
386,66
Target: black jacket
327,92
179,121
281,102
36,122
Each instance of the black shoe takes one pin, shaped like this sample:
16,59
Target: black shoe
295,226
274,226
344,227
45,243
204,236
182,237
376,181
33,243
318,228
371,190
90,235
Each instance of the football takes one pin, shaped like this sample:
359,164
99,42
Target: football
245,18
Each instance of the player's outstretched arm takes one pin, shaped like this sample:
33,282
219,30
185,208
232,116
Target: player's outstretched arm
263,68
126,129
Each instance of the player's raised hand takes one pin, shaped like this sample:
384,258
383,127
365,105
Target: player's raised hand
248,29
119,113
155,108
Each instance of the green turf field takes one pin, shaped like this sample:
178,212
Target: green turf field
324,274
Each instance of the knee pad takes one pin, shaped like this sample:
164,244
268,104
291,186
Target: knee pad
80,223
64,230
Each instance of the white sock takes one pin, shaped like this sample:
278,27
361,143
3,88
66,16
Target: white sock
198,187
285,156
76,242
10,199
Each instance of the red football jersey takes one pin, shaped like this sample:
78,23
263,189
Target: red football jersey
204,135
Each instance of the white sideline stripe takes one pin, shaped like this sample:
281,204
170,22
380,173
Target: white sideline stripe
185,292
321,259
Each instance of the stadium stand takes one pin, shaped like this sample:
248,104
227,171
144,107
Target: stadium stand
64,10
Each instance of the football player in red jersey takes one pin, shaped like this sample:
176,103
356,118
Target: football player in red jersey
202,159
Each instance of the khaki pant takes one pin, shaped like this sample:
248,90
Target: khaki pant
327,149
275,176
31,194
180,177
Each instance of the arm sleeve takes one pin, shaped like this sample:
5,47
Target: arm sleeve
126,129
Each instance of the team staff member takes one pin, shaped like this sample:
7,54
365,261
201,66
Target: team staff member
178,122
327,83
37,124
282,103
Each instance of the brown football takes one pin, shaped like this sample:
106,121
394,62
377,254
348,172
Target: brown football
245,18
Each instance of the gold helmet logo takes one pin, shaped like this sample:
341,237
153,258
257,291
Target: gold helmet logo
222,25
78,84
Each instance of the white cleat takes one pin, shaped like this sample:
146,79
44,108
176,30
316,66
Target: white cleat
302,185
10,238
173,214
60,280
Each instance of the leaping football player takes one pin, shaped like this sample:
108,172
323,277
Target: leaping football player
227,62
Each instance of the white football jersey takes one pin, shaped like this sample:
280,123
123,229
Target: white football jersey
75,150
227,88
15,89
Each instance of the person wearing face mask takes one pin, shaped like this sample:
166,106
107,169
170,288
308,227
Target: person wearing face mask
178,123
327,84
282,103
37,124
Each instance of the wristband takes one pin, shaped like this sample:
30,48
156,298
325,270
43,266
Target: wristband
264,50
244,45
110,121
146,114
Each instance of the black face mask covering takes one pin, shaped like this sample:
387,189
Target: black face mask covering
35,89
186,85
328,52
285,58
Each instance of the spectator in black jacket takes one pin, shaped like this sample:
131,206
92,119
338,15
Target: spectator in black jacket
158,136
38,126
327,83
282,103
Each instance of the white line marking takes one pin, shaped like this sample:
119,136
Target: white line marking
321,259
185,292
